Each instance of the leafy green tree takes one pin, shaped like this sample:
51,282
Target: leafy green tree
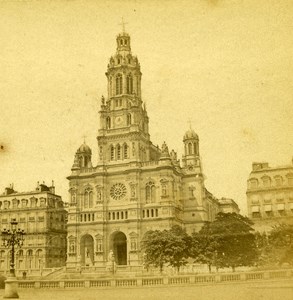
265,250
281,243
205,246
226,242
166,247
236,239
154,244
178,247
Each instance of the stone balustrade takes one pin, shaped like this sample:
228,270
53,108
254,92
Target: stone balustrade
157,280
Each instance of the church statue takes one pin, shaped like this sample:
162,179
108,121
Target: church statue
111,256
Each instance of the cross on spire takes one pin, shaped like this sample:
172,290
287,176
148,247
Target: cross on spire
84,136
189,121
123,25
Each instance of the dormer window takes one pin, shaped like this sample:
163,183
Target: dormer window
279,180
266,181
253,183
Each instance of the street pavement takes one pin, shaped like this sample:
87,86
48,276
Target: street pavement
267,290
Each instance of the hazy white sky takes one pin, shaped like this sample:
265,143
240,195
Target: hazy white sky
225,65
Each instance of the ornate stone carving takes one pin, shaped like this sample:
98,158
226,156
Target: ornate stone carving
118,191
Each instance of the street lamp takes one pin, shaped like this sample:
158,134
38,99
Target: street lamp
11,238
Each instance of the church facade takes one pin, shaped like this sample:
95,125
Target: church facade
135,186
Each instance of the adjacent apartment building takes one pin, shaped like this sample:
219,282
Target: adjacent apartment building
41,214
270,195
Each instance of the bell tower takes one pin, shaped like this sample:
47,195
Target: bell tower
124,123
191,158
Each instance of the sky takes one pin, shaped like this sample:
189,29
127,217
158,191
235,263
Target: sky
225,67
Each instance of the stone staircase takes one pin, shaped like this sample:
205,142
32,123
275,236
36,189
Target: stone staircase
85,273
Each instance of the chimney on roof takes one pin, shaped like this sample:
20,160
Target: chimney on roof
52,188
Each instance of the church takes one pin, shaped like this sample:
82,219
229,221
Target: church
135,186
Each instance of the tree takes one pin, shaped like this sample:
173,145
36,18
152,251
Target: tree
226,242
264,248
281,243
204,246
166,247
154,244
178,247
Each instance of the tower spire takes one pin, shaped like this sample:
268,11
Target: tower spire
189,121
123,23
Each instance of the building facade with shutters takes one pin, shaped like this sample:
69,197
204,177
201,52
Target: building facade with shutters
41,214
270,195
135,186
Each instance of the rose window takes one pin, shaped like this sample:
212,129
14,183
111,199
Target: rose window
118,191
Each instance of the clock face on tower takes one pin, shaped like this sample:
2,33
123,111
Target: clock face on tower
118,120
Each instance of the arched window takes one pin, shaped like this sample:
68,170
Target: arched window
125,151
128,119
189,148
86,200
118,151
150,192
112,154
119,84
129,84
108,122
195,148
110,85
137,85
90,199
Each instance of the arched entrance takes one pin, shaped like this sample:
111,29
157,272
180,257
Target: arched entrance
87,250
120,248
